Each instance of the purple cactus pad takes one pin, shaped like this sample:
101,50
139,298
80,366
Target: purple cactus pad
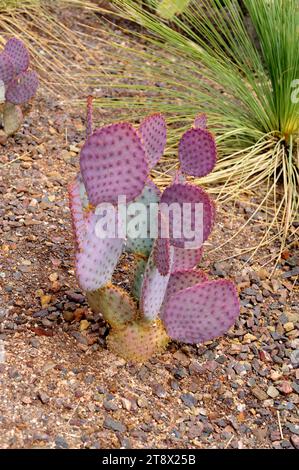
18,54
152,131
201,312
22,88
197,152
113,162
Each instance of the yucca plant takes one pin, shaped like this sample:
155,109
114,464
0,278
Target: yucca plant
239,62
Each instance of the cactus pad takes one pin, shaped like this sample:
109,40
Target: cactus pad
153,290
138,341
200,122
22,88
12,118
150,195
78,205
201,312
152,131
161,254
181,280
179,193
138,279
116,306
197,152
18,54
97,258
113,162
185,258
7,70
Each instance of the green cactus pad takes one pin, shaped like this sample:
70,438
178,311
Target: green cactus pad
138,341
149,195
116,306
138,279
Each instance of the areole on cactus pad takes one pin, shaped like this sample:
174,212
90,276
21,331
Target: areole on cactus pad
167,297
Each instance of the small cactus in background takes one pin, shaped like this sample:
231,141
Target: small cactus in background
17,85
169,298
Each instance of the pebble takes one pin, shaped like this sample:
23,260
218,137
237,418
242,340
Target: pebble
44,398
288,326
159,391
259,393
68,315
75,297
109,405
285,387
80,338
114,425
84,324
189,400
126,404
142,402
295,441
34,343
294,428
272,392
61,443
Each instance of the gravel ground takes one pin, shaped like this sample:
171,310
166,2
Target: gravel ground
59,385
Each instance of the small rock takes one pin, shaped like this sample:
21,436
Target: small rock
61,443
272,392
295,441
43,397
45,300
142,402
288,326
34,343
259,393
110,423
294,428
189,400
249,338
109,405
159,391
78,298
285,387
275,375
80,338
126,404
68,316
53,277
291,273
195,430
84,324
26,400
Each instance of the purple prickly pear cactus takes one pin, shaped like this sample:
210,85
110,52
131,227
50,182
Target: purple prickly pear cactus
170,297
17,84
